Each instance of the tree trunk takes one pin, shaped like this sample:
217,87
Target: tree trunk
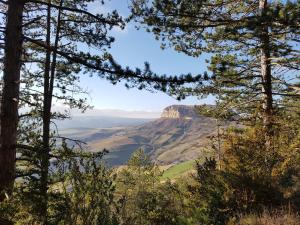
10,95
266,76
49,76
46,126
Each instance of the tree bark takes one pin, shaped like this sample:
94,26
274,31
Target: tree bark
266,76
46,126
49,76
10,95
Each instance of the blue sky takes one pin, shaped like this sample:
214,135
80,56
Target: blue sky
132,48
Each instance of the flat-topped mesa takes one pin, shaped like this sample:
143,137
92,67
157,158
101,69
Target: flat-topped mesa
179,111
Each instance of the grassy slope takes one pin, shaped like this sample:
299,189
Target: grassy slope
179,169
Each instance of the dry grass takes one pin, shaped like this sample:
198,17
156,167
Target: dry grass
266,218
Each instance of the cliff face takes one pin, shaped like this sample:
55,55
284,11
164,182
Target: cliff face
179,111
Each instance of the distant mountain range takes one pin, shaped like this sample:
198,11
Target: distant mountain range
178,135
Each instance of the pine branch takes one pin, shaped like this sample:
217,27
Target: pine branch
75,10
121,73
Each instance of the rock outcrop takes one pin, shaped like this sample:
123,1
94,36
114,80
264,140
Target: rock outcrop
179,111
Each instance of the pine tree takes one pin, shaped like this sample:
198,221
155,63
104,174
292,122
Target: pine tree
29,32
10,95
254,47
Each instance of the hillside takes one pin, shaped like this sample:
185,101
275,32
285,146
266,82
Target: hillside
179,135
178,170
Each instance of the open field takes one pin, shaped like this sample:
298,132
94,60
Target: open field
178,170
